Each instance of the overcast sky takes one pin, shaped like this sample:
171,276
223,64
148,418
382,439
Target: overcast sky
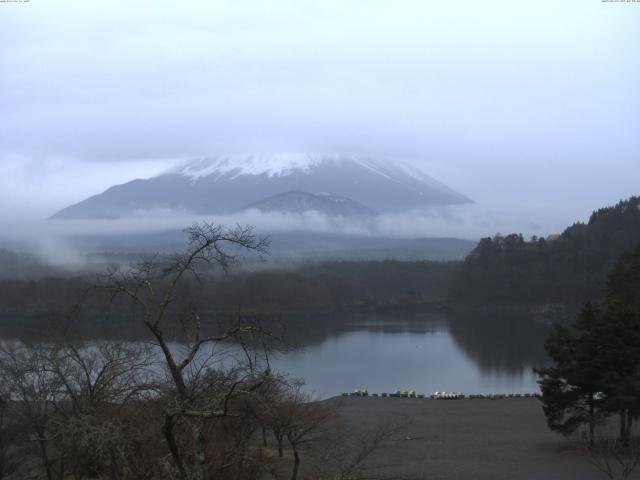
532,105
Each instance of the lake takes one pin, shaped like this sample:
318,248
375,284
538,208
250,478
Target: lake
476,353
471,352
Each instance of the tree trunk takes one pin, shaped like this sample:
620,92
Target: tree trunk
45,457
629,425
623,426
200,451
280,453
264,436
592,422
61,468
296,463
167,430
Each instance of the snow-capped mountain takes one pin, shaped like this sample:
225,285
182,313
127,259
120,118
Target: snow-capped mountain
228,183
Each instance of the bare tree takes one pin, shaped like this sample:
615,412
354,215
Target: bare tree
101,373
34,392
273,412
68,399
295,415
154,288
8,455
98,381
309,419
614,459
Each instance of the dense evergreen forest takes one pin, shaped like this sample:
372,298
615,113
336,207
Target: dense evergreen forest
569,268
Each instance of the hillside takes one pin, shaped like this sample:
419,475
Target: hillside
297,201
570,268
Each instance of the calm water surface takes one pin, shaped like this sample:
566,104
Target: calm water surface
426,354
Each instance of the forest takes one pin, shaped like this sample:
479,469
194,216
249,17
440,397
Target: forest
568,269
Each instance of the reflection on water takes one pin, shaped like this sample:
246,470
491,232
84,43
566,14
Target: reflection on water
468,352
500,341
426,353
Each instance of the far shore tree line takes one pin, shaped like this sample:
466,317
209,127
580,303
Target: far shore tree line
315,287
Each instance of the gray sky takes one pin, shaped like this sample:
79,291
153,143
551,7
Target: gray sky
519,105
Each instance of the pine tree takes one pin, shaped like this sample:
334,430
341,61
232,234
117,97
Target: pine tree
619,336
571,389
596,370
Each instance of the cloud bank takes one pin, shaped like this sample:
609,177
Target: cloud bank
55,241
530,103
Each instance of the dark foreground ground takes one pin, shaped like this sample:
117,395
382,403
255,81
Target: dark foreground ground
471,439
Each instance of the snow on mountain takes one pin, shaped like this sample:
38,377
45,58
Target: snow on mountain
228,183
270,164
288,163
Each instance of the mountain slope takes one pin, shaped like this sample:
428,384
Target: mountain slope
297,201
226,184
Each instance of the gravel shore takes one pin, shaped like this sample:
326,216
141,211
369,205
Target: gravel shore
471,439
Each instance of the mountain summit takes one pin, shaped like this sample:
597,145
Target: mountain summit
226,184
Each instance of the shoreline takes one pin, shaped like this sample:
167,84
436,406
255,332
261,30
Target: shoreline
440,395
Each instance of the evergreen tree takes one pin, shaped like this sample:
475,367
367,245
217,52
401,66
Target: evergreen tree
596,370
621,335
571,389
623,284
